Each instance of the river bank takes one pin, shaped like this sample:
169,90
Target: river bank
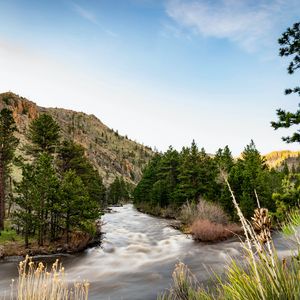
205,221
78,242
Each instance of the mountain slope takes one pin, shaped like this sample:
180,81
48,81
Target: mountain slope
277,159
110,153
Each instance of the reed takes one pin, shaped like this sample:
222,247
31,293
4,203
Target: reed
35,282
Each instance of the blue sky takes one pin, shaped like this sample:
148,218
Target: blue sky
162,72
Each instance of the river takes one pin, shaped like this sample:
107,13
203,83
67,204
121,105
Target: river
137,257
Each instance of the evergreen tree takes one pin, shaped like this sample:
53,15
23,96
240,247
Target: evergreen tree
224,159
251,174
78,209
224,162
71,156
38,199
44,134
188,175
8,144
290,46
46,187
164,190
25,200
118,191
142,192
288,197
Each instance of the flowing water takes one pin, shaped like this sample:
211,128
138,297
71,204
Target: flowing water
137,257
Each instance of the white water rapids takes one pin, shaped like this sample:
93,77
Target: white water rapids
137,257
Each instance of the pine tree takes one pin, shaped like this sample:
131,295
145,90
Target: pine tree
251,174
78,209
46,185
38,199
290,46
44,134
26,197
188,175
71,156
8,144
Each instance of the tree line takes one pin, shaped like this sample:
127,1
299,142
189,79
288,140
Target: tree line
173,178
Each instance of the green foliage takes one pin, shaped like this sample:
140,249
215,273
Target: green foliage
8,144
250,174
288,197
290,46
9,235
6,99
291,222
119,191
56,196
37,198
77,207
71,157
44,134
173,178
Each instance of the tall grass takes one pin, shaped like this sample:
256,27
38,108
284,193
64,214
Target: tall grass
203,210
35,282
262,275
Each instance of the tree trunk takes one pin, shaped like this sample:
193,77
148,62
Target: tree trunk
10,201
68,227
2,196
26,234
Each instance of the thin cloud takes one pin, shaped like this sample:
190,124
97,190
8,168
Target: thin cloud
248,23
91,17
86,14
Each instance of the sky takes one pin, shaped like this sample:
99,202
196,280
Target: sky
163,72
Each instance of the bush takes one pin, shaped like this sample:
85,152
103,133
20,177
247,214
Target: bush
212,212
188,213
204,210
207,231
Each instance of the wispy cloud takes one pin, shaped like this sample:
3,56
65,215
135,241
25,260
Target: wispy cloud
86,14
91,17
248,23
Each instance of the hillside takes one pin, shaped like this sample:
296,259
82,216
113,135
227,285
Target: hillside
277,159
110,153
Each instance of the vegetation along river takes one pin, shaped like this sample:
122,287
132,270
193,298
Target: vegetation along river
137,257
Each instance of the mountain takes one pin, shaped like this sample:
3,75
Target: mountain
110,153
277,159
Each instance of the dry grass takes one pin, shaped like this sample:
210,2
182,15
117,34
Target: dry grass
204,210
212,212
35,282
207,231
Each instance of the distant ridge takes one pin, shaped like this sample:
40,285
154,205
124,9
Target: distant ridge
276,159
110,153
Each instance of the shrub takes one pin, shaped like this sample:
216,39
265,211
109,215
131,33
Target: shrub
204,210
207,231
212,212
188,213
